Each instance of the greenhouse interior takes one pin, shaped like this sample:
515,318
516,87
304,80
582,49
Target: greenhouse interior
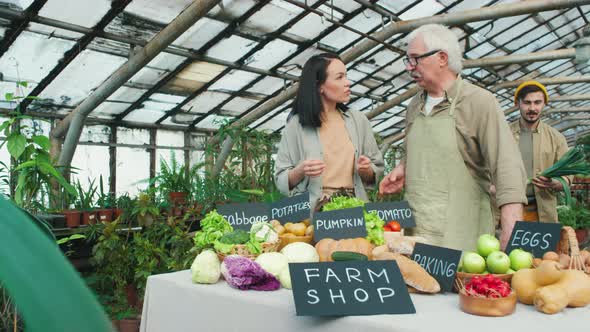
165,162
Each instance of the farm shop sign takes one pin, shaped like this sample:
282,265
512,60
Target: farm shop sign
349,288
243,215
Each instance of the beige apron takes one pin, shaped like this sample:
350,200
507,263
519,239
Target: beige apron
450,208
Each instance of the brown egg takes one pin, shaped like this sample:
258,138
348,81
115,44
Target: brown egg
551,256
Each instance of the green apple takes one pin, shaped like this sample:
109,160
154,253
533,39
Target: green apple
473,262
487,244
520,259
498,262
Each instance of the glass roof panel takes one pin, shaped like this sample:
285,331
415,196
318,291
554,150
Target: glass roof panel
162,11
86,72
81,12
32,56
231,49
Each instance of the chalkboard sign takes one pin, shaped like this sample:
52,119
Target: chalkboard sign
291,209
243,215
398,211
339,224
349,288
534,237
441,263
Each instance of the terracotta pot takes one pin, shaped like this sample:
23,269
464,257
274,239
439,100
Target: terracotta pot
105,215
88,218
72,218
177,198
117,213
582,235
131,292
129,325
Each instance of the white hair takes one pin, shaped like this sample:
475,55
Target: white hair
439,37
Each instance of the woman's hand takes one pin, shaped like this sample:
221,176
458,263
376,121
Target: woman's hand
363,166
308,167
312,168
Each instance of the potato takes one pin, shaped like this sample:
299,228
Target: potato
288,227
288,235
275,222
537,262
551,256
564,261
279,229
298,229
306,222
309,230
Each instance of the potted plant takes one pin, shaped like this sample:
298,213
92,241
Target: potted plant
123,206
174,180
105,202
34,170
85,202
145,209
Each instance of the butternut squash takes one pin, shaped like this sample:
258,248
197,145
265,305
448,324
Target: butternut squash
572,290
326,247
525,282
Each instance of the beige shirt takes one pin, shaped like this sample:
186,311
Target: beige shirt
549,145
338,153
484,139
525,145
299,143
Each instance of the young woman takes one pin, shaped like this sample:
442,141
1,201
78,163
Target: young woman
326,148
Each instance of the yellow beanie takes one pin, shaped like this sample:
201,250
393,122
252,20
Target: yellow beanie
527,83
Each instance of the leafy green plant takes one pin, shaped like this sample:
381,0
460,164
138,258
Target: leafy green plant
173,177
145,208
576,215
106,200
86,197
4,179
68,240
34,169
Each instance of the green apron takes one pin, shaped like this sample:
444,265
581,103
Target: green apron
450,208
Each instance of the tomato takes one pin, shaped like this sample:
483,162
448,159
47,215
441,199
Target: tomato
395,226
386,228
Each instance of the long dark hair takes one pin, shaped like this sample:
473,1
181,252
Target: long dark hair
308,103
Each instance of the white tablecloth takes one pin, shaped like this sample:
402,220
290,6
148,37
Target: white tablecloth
173,303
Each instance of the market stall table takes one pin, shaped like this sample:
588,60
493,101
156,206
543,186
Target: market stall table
173,303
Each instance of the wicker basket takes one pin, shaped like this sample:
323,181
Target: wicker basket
285,240
568,244
462,278
242,250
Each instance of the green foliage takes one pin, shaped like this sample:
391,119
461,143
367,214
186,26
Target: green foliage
577,215
173,177
34,170
86,197
122,257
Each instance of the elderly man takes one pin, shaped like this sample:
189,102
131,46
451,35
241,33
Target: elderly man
541,146
457,143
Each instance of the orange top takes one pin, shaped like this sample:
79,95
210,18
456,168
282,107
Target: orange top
338,152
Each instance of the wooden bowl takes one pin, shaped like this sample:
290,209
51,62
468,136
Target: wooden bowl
285,240
462,278
491,307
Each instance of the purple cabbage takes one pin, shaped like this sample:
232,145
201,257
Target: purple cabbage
243,273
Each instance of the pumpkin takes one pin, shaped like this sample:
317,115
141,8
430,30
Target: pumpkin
327,246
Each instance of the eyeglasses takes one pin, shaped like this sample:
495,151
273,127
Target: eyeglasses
413,60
